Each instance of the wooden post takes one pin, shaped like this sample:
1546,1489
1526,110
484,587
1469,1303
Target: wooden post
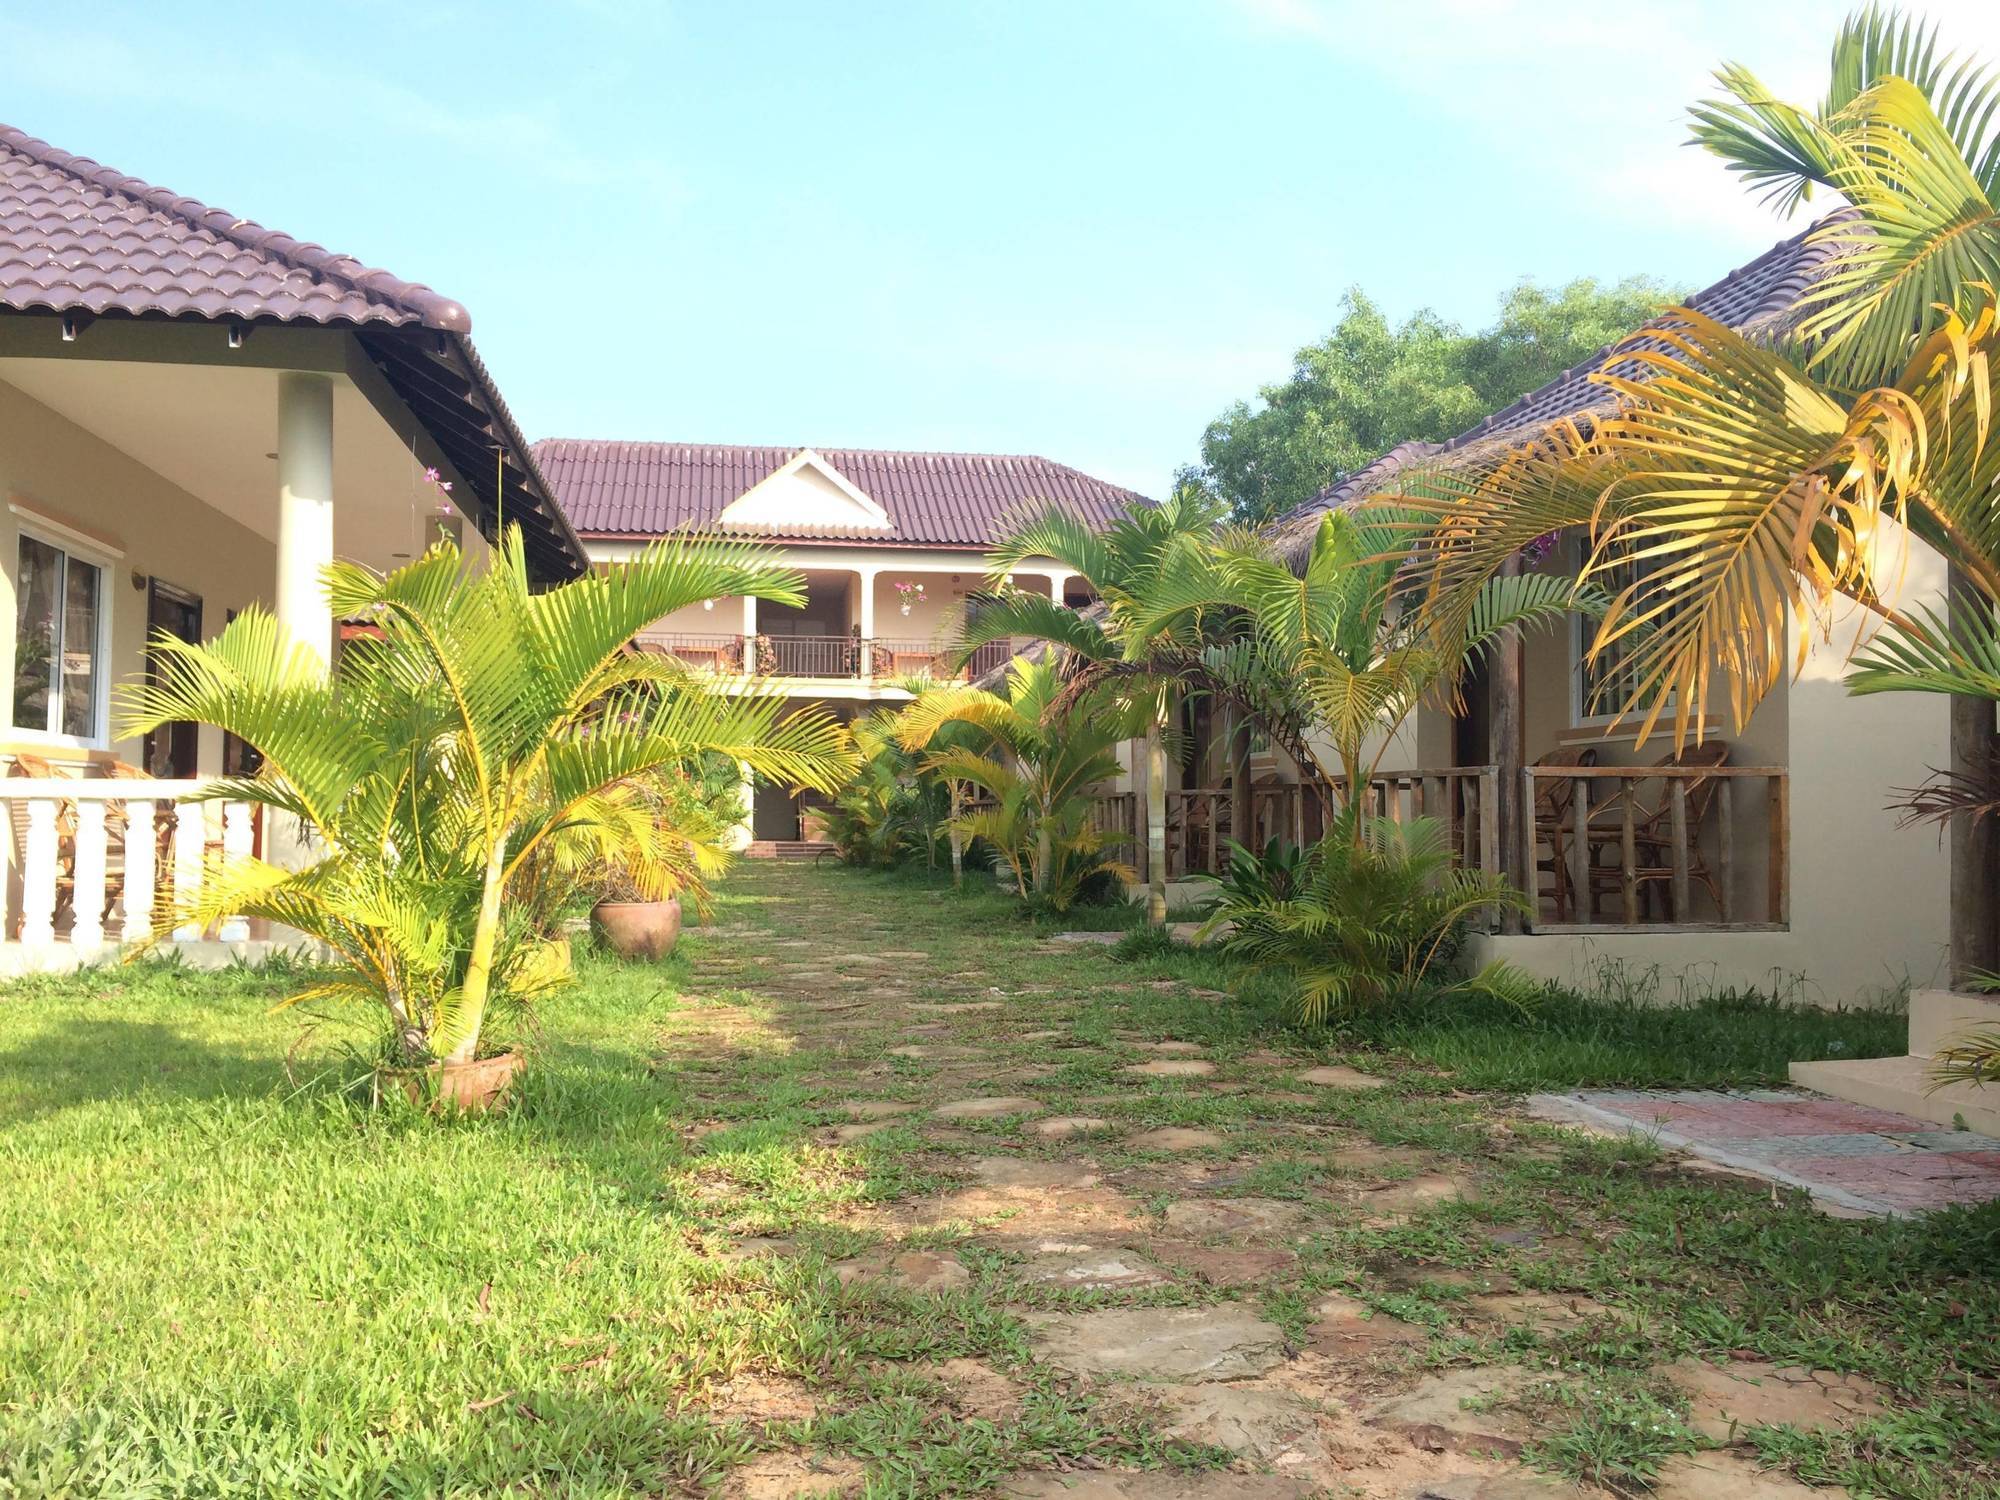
1780,894
1579,809
1974,844
1677,791
1628,857
1242,796
1725,847
1503,734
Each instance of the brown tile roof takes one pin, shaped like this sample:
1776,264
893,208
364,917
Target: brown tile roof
77,237
933,499
1760,296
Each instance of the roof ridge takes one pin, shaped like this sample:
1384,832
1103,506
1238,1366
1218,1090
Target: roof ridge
811,447
432,308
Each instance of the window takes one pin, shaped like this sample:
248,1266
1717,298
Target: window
1604,684
58,642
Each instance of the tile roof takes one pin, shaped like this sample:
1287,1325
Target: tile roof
78,237
614,488
1760,296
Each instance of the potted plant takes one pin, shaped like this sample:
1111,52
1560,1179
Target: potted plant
908,594
631,922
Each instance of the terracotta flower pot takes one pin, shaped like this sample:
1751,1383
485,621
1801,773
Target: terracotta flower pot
475,1087
638,929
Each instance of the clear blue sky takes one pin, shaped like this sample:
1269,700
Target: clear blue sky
1076,228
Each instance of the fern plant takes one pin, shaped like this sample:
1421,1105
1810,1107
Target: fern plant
1374,913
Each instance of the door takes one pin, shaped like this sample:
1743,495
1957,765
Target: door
172,750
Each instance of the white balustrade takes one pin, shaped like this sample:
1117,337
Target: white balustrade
83,846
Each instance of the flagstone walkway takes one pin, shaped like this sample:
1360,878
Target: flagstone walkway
1260,1273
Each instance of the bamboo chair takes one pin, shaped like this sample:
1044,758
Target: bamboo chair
1554,797
1653,833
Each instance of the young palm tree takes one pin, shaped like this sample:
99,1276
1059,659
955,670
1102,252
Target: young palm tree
1126,566
1035,760
439,758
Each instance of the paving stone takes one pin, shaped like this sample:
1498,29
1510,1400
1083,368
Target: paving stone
1436,1412
1173,1049
844,1135
875,1109
1516,1486
1229,1267
1224,1342
1238,1218
1270,1427
1418,1193
791,1476
1093,1270
1173,1138
909,953
1170,1067
1016,1174
961,1008
1103,939
1344,1328
1060,1126
1724,1399
1548,1311
934,1052
976,1389
1038,1036
909,1270
758,1245
1335,1076
1156,1484
987,1109
1730,1476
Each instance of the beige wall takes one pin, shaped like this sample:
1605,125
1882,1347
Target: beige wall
147,526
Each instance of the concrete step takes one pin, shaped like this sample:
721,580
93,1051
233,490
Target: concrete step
1938,1015
1903,1084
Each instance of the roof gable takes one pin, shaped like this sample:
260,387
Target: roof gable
805,496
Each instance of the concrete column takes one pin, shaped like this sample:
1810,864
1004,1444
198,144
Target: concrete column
741,835
305,507
749,635
1503,739
867,577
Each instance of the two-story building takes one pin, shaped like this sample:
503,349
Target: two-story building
892,545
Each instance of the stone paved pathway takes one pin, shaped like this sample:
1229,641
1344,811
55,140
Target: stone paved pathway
1329,1278
1847,1156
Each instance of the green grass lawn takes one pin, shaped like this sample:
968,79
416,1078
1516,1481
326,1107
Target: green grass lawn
221,1274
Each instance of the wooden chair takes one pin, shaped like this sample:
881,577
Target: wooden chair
1554,798
1653,833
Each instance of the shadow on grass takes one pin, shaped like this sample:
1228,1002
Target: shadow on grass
75,1058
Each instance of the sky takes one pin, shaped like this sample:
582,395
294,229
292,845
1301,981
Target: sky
1079,228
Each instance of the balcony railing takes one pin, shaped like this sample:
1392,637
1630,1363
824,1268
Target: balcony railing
838,657
102,862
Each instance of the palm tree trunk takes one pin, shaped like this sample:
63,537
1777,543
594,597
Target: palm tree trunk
957,840
479,963
1044,852
1156,817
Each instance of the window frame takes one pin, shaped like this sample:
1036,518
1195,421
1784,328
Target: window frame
70,545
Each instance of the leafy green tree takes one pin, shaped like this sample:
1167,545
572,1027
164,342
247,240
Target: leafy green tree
1370,385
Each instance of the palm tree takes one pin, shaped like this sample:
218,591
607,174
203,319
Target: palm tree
1749,478
1358,663
1126,565
1034,759
484,722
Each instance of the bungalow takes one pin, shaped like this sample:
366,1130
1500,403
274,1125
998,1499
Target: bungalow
1766,857
197,413
892,546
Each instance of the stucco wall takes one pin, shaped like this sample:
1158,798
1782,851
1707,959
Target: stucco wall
53,467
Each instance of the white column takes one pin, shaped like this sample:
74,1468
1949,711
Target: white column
87,900
749,635
38,873
1056,581
190,844
745,831
140,835
237,841
305,507
867,624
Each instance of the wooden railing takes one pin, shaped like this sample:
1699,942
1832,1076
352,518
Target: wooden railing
98,861
1118,814
1462,798
824,656
1636,848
